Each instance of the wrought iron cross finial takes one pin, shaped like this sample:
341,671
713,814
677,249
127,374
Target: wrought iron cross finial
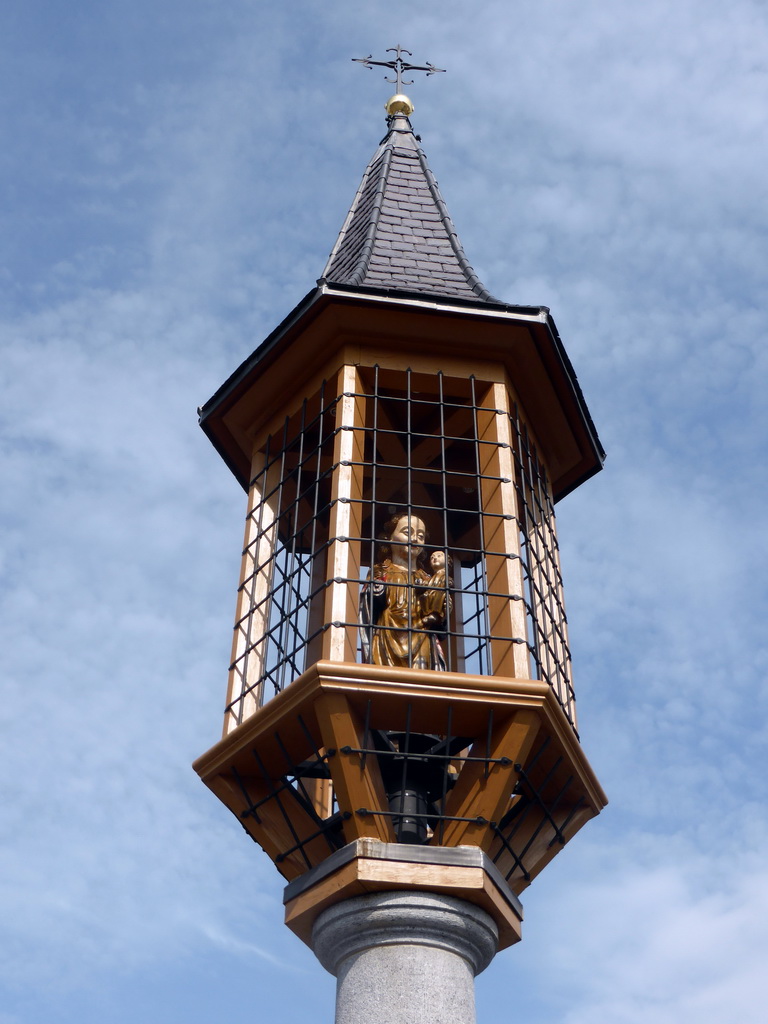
398,65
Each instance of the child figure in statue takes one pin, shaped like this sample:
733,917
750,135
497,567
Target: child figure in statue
440,569
402,607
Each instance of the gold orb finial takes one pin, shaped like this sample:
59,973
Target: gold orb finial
399,104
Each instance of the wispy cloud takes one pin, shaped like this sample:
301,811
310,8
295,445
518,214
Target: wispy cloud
176,180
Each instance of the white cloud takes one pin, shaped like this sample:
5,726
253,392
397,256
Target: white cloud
176,181
673,941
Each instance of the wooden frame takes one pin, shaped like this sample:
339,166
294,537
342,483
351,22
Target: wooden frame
503,567
244,690
340,640
323,711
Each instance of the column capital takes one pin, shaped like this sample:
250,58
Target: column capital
349,928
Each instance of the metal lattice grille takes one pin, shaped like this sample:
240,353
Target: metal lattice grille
452,453
279,619
421,773
546,801
544,602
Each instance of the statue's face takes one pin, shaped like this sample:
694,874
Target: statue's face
437,561
409,531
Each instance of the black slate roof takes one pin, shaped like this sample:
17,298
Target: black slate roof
398,234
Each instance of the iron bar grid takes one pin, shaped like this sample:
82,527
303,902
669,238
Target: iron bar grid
277,797
427,444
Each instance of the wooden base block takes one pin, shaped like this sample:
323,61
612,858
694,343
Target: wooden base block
368,865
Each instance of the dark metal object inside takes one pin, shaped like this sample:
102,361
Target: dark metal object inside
415,770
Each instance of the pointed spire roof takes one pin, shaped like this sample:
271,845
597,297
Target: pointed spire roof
398,234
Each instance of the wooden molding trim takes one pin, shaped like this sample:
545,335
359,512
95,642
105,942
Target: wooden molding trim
379,867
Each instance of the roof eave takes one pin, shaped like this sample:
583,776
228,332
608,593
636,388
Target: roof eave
541,326
539,314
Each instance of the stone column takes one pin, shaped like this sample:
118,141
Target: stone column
405,957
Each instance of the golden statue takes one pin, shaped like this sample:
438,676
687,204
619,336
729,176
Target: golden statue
404,609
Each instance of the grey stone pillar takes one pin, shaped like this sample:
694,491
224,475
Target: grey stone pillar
405,957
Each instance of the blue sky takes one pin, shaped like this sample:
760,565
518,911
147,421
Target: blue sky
173,176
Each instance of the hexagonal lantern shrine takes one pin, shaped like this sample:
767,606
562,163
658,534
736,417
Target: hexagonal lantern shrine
400,713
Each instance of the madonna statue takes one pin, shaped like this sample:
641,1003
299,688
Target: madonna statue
403,608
